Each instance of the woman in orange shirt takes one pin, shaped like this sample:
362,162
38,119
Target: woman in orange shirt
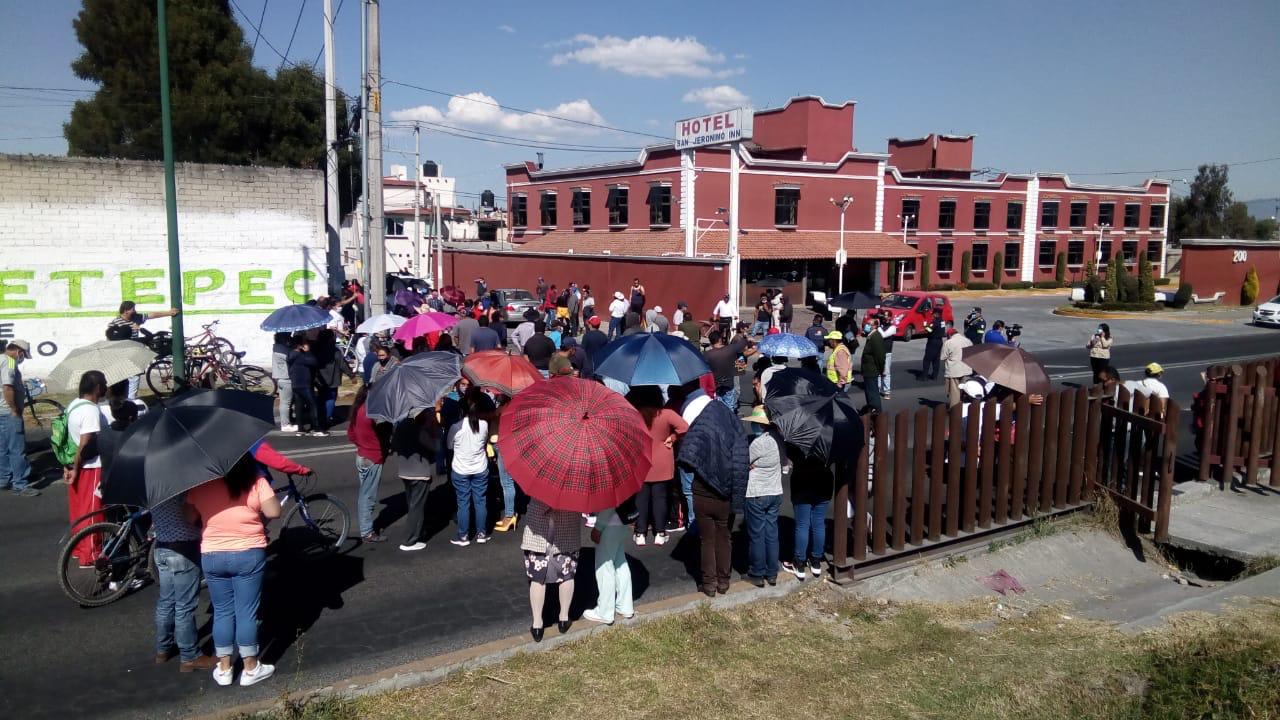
665,425
233,554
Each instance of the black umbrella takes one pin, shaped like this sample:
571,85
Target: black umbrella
255,405
856,300
170,451
800,381
413,386
818,419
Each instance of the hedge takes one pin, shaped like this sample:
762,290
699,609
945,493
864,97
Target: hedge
943,286
997,269
1139,307
1163,281
1017,285
980,286
1046,284
924,273
966,262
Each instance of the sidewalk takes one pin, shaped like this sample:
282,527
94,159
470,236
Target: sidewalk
1242,523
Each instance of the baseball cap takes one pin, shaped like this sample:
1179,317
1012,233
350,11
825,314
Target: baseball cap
657,308
834,335
1154,369
22,345
594,321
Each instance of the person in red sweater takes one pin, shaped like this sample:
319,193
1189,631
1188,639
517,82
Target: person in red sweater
271,459
372,441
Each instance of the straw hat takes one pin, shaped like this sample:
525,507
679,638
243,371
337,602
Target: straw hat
758,415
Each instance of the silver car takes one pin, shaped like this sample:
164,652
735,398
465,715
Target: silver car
516,302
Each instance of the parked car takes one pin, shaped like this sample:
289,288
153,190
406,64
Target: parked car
1268,313
912,311
515,301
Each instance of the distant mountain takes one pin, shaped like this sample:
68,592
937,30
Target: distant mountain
1263,208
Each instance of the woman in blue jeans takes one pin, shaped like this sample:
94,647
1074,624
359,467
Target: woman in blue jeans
509,519
233,554
764,499
811,487
470,467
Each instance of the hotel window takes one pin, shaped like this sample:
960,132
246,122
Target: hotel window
1048,253
1012,255
910,213
1013,217
1078,210
1049,214
581,207
1130,250
786,206
979,255
659,204
1075,253
393,226
519,210
1107,214
616,202
981,215
945,251
1154,248
946,214
1132,215
1155,220
548,209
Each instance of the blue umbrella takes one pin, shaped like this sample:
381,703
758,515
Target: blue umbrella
788,345
650,359
295,318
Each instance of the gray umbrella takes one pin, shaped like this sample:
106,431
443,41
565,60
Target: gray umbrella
117,359
413,386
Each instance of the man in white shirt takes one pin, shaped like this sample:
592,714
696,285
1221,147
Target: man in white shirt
84,474
678,316
724,314
954,368
523,332
1152,384
617,311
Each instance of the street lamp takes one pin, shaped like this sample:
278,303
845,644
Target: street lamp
907,221
1097,255
841,256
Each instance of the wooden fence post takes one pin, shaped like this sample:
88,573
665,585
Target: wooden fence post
1168,449
972,451
1049,469
1094,435
1017,501
1231,433
860,479
919,479
1066,442
900,479
1035,455
1080,440
987,463
937,471
880,484
955,459
1256,420
1004,458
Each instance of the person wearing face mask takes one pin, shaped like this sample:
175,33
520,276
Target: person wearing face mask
14,468
872,365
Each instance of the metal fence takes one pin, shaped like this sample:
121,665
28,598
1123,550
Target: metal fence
1238,422
940,476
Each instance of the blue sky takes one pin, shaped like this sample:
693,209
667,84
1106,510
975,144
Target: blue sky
1086,87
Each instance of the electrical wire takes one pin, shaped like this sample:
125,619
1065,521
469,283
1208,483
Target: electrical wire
408,124
320,52
1171,170
258,29
301,9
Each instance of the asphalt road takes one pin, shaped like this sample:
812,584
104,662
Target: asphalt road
373,606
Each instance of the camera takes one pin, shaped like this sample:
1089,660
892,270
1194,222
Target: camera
1012,331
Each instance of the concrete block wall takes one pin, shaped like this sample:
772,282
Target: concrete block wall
78,235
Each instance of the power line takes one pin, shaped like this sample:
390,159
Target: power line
258,29
535,145
537,113
1172,170
34,137
404,124
301,9
320,52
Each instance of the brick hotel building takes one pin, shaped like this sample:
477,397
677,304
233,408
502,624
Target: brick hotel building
918,198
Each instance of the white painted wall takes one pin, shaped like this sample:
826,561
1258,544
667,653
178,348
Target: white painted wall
77,236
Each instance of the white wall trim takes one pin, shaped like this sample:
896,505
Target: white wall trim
880,197
688,178
1030,221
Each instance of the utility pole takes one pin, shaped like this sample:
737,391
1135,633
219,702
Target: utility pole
735,260
178,345
435,199
364,151
377,242
331,203
841,256
417,186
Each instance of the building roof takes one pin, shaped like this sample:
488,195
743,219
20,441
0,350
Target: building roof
753,245
1229,242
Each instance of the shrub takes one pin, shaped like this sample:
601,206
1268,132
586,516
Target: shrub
1106,306
924,273
997,269
1111,288
1046,284
1129,290
1182,297
980,286
1017,285
1163,281
1060,269
943,286
1146,285
1249,292
966,263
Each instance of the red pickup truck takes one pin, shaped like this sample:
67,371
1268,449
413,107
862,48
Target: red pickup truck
912,311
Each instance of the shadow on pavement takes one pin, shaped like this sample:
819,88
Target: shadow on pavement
295,593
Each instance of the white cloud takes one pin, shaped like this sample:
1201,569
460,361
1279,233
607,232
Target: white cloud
477,111
653,56
719,97
506,28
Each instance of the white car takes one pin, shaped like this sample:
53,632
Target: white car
1268,313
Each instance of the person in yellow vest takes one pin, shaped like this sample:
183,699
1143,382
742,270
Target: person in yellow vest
840,361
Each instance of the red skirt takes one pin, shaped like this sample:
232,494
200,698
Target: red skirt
82,499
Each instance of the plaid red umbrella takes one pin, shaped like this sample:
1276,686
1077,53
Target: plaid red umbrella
575,444
508,374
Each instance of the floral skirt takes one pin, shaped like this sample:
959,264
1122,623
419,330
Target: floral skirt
546,569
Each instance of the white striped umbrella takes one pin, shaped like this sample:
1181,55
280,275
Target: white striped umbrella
117,359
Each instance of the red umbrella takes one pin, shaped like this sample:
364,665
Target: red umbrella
575,445
420,325
506,373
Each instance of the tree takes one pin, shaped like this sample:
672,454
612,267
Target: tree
924,273
1092,283
966,266
1146,283
1202,213
1060,269
1238,224
997,269
1265,229
1112,286
1252,285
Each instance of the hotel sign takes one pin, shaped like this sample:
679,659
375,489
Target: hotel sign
717,128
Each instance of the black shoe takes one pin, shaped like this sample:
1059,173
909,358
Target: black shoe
563,626
772,580
757,581
709,592
536,633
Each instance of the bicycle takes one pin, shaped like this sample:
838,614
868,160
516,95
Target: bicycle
207,369
123,561
315,525
42,410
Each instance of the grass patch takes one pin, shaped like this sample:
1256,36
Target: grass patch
819,653
1259,565
1041,527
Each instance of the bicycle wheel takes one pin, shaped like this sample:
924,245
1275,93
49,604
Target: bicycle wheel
43,411
253,379
160,377
315,526
109,576
223,350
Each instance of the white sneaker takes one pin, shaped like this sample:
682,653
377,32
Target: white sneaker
639,539
415,546
593,616
223,677
660,539
260,672
289,428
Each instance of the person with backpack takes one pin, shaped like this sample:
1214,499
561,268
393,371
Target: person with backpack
74,438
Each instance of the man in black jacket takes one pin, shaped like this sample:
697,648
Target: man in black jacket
933,347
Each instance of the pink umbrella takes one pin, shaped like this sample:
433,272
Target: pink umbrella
420,325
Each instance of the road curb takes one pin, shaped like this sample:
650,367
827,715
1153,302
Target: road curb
436,668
